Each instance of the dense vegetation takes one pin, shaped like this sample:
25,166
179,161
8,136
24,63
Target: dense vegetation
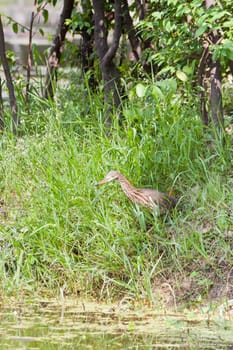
60,232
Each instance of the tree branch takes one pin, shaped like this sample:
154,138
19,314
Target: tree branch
116,34
132,33
56,48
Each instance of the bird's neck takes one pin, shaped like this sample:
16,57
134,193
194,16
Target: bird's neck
126,186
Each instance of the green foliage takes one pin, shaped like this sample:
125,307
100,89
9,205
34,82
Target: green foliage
40,8
224,51
178,32
80,20
60,231
45,14
15,27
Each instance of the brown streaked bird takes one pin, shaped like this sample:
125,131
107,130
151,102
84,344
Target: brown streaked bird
144,196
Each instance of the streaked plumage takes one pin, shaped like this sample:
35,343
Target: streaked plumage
144,196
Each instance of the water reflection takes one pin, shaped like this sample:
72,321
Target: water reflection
79,325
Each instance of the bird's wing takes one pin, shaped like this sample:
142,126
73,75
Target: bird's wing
161,198
152,194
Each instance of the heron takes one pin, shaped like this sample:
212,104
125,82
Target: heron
153,199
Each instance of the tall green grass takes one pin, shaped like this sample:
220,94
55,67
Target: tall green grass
61,232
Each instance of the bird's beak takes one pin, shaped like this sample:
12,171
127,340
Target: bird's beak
101,182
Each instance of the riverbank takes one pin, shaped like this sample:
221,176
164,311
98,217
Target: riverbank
60,232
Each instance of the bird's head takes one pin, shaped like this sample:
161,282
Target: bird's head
112,175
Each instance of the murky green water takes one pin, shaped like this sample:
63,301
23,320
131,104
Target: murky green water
80,325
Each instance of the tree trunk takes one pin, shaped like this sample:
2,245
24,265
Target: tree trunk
87,45
140,5
106,52
131,31
56,49
231,67
215,79
210,70
202,82
10,86
30,54
216,94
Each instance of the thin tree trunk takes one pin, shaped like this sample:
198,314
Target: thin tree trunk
215,79
106,52
30,55
87,45
131,31
216,94
10,86
231,67
210,70
136,41
141,9
202,82
56,49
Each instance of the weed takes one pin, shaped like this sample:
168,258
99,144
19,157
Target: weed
59,231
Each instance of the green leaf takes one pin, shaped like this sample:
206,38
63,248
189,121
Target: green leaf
41,31
228,24
189,69
228,53
196,3
68,21
165,70
225,49
168,26
217,16
167,85
140,90
181,75
157,93
15,27
227,43
201,30
157,15
45,14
